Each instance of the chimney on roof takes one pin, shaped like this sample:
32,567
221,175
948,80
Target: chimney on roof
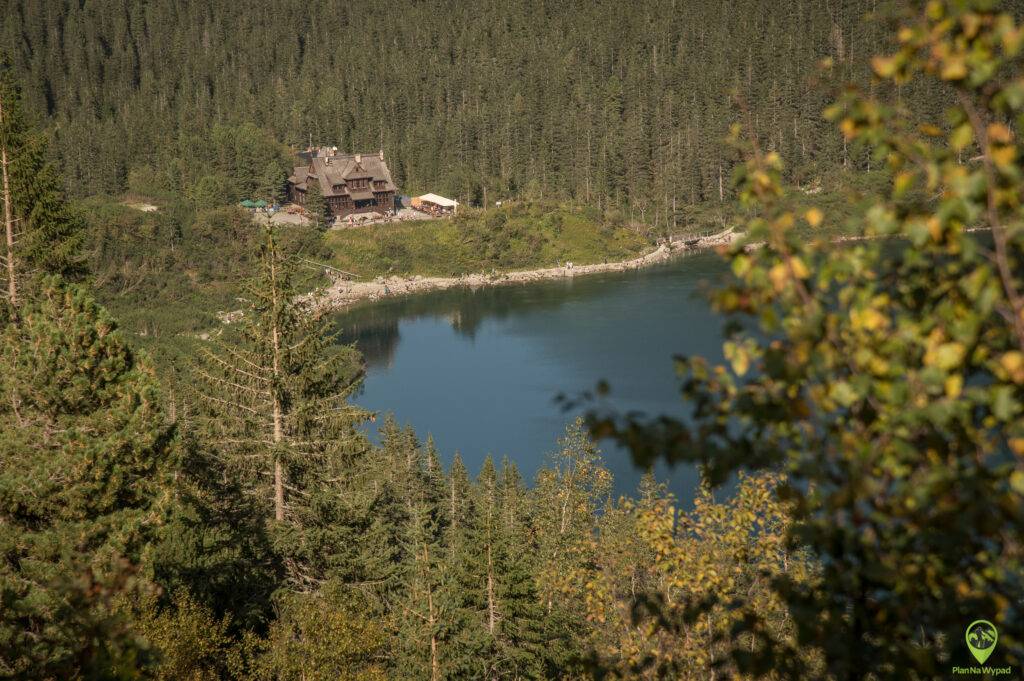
334,151
382,154
359,159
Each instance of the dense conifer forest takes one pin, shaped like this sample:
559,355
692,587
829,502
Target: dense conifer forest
609,103
218,511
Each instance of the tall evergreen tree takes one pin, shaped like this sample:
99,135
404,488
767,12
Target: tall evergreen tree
276,405
317,206
83,464
497,622
42,235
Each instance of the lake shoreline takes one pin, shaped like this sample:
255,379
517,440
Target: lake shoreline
343,293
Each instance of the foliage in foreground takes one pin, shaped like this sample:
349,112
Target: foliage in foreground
886,378
85,449
882,394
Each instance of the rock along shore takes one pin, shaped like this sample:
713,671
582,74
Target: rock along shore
343,293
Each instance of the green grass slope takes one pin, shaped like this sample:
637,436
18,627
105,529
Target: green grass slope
512,237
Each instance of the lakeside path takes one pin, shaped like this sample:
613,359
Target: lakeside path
343,293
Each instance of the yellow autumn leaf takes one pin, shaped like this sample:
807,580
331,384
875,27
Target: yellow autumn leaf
885,67
945,356
868,319
971,23
1017,445
1004,156
954,384
779,275
997,132
848,127
799,268
901,183
784,221
1012,40
961,137
954,68
814,217
1013,364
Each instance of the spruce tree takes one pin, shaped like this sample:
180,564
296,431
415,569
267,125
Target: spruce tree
276,406
422,611
212,542
498,615
317,206
272,182
85,453
42,235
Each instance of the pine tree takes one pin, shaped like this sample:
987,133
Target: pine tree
569,492
272,183
276,406
498,614
317,206
85,455
212,541
41,236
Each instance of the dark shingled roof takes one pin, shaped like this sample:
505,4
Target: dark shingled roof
298,177
336,171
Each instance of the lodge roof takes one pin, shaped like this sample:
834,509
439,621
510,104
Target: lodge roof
333,171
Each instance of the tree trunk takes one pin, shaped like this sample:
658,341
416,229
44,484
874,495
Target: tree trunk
12,282
454,516
492,614
435,667
275,387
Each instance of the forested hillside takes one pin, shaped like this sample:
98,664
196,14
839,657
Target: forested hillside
607,101
223,515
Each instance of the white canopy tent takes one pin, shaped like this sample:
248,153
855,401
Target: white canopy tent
439,201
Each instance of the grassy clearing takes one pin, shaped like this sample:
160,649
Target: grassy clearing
521,235
514,237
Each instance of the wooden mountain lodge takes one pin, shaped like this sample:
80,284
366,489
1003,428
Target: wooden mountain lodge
350,183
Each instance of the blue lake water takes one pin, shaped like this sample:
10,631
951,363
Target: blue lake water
480,370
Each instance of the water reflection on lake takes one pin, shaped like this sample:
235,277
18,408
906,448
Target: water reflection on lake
480,370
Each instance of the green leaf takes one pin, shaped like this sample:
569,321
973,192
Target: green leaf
962,136
843,393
